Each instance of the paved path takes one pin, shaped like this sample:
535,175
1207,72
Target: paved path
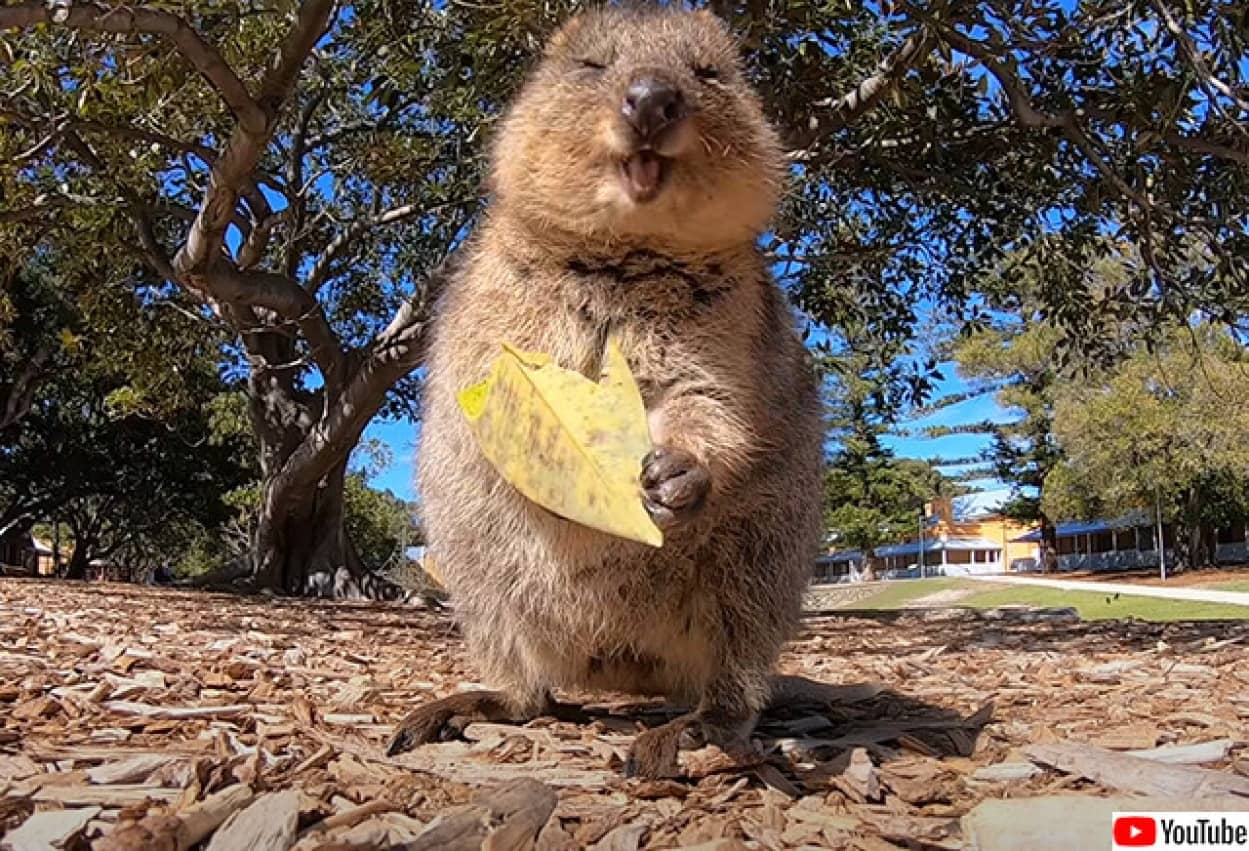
1196,595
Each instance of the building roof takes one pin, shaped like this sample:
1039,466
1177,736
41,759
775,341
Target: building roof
1087,527
840,556
936,545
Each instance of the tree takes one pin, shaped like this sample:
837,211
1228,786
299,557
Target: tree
119,481
1012,359
269,184
260,158
1166,431
934,140
1014,363
870,496
37,338
874,499
382,525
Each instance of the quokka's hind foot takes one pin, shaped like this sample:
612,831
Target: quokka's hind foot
445,719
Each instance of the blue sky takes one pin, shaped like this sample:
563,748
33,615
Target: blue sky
400,437
952,446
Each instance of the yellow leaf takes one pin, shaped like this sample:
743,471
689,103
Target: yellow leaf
570,444
70,342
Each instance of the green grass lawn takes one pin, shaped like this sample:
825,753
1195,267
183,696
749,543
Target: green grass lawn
1092,605
1238,585
1096,606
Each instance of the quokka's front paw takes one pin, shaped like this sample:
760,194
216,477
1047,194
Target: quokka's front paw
674,485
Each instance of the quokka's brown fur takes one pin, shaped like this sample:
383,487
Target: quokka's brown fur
565,256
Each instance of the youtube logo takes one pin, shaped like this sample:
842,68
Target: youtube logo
1135,831
1180,831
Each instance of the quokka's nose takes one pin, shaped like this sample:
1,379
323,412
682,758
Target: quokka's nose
651,105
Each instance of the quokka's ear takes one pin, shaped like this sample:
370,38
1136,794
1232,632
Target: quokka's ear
564,36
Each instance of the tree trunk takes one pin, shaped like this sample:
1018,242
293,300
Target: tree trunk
1188,537
300,545
78,561
1196,547
1048,549
1161,538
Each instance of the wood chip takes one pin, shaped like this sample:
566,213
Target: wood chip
268,824
104,796
48,830
503,818
796,690
135,769
627,837
1129,738
154,832
1195,754
860,779
200,820
940,832
1005,772
1133,774
164,733
127,707
823,818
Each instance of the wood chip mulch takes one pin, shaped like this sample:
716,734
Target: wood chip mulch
136,718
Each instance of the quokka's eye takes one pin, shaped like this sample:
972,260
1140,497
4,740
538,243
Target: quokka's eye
591,65
706,73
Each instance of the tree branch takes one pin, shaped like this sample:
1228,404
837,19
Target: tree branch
1202,146
1020,102
20,395
140,19
295,179
155,253
42,204
853,105
205,153
1200,68
277,293
242,153
369,126
139,214
395,352
256,201
1028,115
346,238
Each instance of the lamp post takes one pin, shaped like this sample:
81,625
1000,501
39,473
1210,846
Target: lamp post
922,517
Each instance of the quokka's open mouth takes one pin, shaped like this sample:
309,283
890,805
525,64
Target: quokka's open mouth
643,174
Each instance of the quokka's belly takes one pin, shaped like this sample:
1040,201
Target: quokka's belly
609,630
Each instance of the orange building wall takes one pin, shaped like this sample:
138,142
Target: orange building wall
995,528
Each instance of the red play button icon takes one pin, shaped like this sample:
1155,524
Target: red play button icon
1136,831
